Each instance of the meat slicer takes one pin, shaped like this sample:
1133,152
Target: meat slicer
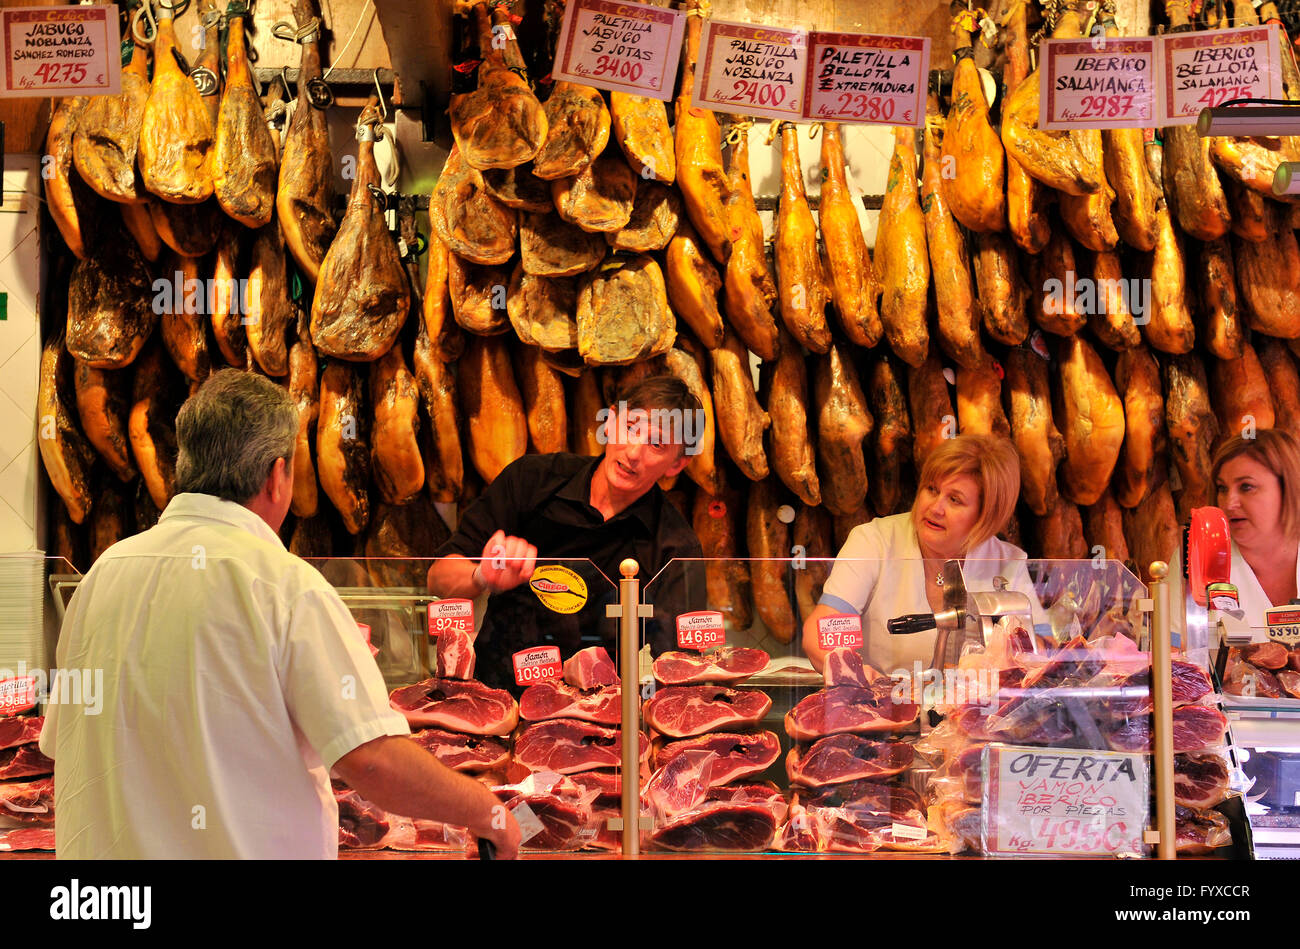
966,617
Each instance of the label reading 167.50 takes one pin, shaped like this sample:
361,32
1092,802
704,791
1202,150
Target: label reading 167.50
843,630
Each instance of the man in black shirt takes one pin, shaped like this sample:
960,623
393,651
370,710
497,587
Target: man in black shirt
589,514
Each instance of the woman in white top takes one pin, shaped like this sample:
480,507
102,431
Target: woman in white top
891,566
1258,485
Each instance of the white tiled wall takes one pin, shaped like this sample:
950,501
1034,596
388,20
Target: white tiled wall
20,353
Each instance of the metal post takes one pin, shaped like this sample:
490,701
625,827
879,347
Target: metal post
629,651
1162,700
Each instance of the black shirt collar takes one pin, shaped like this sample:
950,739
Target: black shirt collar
578,489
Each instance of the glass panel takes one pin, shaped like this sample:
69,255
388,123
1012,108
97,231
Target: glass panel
815,724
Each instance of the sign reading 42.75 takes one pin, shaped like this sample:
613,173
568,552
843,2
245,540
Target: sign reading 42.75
60,50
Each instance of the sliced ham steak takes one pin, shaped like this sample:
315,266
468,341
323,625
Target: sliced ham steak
469,707
455,655
723,665
1268,655
24,761
563,810
743,824
590,668
1200,781
845,709
738,755
566,746
1189,683
27,802
20,731
555,698
1195,727
28,838
694,765
1200,831
841,758
844,666
463,752
684,711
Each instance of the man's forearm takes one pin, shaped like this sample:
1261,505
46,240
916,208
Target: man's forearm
453,575
402,778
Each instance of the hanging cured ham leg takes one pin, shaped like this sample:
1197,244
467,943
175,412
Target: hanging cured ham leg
800,280
363,295
342,452
71,203
445,463
843,423
176,134
902,263
67,455
107,136
846,260
493,408
786,382
577,131
304,389
971,147
640,127
892,440
748,289
1027,197
500,124
305,196
1033,430
245,164
741,420
394,444
1137,377
1091,416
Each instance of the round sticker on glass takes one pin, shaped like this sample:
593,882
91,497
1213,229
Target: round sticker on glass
559,588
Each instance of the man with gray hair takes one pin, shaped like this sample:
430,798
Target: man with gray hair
235,677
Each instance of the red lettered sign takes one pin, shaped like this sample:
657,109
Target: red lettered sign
626,47
17,695
60,51
1098,83
701,630
857,77
455,614
751,70
536,664
1206,68
839,631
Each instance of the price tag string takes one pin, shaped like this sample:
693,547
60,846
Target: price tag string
738,131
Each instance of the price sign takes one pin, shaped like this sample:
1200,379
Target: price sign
536,664
60,51
701,630
1206,69
626,47
17,694
856,77
1284,624
1064,801
455,614
840,631
751,70
1101,83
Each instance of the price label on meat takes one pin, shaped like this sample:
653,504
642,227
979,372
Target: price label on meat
456,615
1101,83
840,631
1206,69
17,694
752,70
1283,624
627,47
701,630
856,77
60,50
536,664
1064,801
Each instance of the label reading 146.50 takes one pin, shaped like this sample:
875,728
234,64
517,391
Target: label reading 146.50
701,630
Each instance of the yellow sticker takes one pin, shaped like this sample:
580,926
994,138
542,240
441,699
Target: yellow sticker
559,588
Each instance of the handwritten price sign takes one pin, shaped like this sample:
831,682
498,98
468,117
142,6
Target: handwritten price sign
455,614
627,47
1064,801
60,51
701,630
839,631
857,77
751,70
1098,84
1206,69
534,665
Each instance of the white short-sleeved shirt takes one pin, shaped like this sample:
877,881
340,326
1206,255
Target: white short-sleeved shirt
233,678
880,574
1254,601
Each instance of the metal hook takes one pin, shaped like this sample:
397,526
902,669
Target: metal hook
144,13
379,90
284,78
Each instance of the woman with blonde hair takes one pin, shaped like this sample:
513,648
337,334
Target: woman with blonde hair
1257,481
892,566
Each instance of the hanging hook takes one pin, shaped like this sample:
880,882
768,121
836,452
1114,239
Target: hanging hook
813,129
379,91
284,79
145,13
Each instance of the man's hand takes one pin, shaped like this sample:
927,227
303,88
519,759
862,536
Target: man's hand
507,562
504,833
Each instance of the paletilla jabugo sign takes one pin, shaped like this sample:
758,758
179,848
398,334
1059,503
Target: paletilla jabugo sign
624,47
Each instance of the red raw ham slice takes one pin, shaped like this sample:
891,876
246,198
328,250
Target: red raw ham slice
1269,655
1290,681
469,707
27,802
684,711
1195,727
564,811
566,746
846,709
965,770
25,761
732,820
20,731
362,825
27,838
1293,659
842,758
844,666
800,833
455,655
1200,832
888,802
555,698
1249,680
738,755
463,752
607,804
722,665
606,785
425,836
1075,662
1189,682
590,668
1200,781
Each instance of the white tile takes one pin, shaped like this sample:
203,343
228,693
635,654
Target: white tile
17,329
18,483
17,430
15,533
15,228
20,271
20,376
